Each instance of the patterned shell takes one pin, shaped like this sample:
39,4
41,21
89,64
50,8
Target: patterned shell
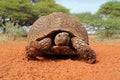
57,21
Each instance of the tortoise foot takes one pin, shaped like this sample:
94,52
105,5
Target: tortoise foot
37,48
86,53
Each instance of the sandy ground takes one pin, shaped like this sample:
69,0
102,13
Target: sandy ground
13,65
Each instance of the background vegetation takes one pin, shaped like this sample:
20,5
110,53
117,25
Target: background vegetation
106,21
24,12
14,30
16,13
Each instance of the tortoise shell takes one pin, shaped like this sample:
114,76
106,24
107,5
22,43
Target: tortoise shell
56,22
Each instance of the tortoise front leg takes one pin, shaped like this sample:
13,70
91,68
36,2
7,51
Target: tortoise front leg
36,48
86,53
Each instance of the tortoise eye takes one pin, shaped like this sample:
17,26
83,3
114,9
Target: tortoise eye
59,35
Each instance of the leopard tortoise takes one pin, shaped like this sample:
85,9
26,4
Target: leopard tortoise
59,33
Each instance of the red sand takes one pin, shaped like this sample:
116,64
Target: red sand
13,66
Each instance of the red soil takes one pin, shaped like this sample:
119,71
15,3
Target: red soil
13,65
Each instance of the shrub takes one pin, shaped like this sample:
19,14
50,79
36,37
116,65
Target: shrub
13,30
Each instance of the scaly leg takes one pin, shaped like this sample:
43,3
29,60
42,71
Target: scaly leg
36,48
86,53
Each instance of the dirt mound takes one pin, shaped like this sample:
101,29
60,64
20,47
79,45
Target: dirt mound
13,65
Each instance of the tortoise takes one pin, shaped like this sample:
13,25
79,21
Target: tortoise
59,33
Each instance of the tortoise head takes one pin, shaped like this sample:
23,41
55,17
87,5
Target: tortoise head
62,39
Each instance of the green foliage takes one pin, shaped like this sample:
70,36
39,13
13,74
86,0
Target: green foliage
110,27
23,12
46,7
90,19
111,9
106,27
17,10
84,17
14,30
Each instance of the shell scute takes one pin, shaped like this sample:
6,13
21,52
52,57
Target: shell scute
54,22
